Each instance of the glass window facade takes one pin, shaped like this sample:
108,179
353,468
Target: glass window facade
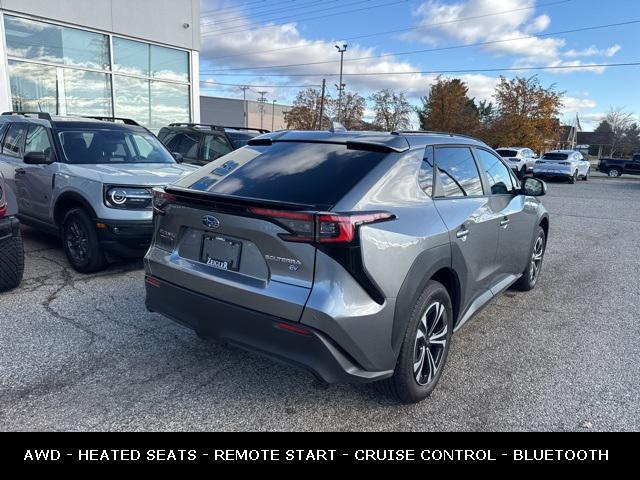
69,71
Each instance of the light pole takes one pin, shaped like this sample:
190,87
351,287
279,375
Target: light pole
341,85
273,114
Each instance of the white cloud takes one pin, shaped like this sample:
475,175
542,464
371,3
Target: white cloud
573,104
593,51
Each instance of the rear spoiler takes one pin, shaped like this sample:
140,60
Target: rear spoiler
350,144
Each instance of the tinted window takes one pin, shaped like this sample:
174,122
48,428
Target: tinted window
555,156
215,146
425,176
309,173
184,143
497,173
507,153
14,140
240,139
112,146
457,172
38,141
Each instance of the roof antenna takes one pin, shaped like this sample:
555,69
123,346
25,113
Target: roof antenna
336,126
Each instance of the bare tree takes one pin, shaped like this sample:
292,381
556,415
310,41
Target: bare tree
303,115
620,122
392,110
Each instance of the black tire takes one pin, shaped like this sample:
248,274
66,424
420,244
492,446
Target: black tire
529,278
614,172
434,303
573,178
11,262
80,242
586,175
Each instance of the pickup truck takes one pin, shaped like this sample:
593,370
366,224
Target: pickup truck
614,167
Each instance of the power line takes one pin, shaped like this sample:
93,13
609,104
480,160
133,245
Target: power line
209,82
401,30
217,34
235,7
288,16
426,72
270,11
436,49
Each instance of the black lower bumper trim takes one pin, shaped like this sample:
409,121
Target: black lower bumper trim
256,331
126,239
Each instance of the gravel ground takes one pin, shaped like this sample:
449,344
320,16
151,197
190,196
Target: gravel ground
82,353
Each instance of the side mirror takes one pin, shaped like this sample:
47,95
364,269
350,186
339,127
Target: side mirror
178,157
534,187
37,158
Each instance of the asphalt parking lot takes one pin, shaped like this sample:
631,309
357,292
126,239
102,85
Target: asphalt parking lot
82,353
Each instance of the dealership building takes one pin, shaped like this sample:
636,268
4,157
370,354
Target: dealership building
113,58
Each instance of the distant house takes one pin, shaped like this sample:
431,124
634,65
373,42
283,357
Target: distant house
567,137
595,144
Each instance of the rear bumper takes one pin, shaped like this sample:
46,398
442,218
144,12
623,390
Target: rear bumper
548,174
9,227
256,331
127,239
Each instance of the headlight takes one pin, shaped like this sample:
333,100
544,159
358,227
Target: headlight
128,197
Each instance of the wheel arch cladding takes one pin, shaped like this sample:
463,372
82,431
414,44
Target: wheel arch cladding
66,202
544,223
432,264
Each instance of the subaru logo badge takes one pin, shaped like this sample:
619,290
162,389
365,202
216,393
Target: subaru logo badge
210,221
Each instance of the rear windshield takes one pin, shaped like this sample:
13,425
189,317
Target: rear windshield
555,156
306,173
507,153
240,139
105,146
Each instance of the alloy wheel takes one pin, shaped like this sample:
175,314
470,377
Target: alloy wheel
77,242
536,260
430,343
614,172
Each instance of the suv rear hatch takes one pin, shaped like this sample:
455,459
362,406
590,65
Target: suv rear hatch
244,229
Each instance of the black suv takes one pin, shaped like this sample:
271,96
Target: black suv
199,143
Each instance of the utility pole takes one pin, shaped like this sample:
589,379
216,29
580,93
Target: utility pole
244,89
341,85
273,114
321,113
262,99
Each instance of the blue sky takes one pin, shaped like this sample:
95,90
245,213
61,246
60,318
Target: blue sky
250,42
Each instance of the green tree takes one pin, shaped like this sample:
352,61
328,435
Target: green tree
448,108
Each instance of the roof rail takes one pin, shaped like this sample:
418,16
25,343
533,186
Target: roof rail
216,127
40,115
432,132
126,121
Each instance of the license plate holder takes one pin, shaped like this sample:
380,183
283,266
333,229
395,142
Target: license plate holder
221,252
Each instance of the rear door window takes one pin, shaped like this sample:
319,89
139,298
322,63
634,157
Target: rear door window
314,174
457,173
13,144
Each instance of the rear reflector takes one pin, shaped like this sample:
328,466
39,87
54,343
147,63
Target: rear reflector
154,282
310,227
293,328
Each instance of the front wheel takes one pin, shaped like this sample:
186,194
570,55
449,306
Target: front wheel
81,244
586,175
531,274
613,172
425,347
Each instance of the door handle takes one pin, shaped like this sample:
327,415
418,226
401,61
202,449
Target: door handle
20,171
462,233
504,222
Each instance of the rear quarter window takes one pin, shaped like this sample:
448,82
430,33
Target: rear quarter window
315,174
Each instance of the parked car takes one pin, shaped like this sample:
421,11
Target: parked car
88,181
200,144
568,165
614,167
353,254
11,248
521,160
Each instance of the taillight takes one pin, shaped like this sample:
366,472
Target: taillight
3,201
160,200
320,227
